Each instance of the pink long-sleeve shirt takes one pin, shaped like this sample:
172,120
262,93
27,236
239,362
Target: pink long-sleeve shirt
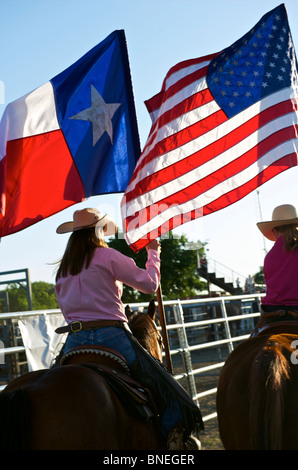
281,275
95,293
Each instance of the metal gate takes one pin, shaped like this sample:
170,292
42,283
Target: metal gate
202,333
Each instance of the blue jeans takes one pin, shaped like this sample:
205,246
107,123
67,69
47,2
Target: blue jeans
110,336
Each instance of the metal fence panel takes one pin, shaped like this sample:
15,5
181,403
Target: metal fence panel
202,333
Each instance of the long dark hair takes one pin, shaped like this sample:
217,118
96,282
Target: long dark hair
290,234
79,252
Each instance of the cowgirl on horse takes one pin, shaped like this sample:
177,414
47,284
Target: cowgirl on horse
257,387
280,267
89,285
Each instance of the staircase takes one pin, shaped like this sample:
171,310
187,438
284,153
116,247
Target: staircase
212,278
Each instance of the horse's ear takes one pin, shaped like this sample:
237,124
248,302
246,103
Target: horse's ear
128,311
151,309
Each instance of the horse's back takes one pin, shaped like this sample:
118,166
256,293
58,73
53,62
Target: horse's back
233,396
250,393
74,408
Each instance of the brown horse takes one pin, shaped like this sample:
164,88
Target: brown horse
73,407
257,393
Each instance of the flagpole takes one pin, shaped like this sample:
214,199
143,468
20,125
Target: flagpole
261,216
162,320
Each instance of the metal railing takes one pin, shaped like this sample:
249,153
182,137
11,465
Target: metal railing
221,270
202,333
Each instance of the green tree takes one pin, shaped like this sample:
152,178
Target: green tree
179,278
43,297
17,298
259,277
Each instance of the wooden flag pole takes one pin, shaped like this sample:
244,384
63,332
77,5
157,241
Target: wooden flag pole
162,319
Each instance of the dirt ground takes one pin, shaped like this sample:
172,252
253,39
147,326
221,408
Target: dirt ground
209,438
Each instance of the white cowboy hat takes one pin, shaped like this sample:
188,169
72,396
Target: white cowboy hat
282,215
87,218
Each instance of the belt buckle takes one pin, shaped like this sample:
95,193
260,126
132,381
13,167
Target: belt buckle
76,329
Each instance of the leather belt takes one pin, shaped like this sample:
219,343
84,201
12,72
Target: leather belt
278,313
76,326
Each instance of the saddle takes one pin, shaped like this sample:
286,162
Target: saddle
274,323
277,328
112,366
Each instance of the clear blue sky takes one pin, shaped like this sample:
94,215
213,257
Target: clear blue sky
40,38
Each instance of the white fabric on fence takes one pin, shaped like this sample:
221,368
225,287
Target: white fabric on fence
40,340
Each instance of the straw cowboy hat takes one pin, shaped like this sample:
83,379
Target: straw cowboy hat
282,215
87,218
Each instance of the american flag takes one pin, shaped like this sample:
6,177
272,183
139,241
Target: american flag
222,125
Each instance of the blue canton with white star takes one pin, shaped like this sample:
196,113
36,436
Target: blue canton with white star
262,62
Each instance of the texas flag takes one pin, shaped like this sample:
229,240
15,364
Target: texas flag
74,137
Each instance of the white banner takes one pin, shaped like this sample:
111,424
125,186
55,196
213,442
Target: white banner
40,340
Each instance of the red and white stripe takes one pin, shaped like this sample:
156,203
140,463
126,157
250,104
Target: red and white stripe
197,160
35,162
